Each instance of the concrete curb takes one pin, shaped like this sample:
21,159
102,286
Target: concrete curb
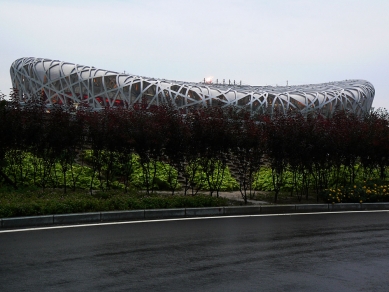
27,221
375,206
184,212
242,210
77,218
122,215
276,209
312,208
209,211
164,213
345,207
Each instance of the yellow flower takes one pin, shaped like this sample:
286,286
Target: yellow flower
361,201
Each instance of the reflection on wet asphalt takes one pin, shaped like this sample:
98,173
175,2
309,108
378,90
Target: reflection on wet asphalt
334,252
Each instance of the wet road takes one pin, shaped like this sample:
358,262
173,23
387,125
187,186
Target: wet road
334,252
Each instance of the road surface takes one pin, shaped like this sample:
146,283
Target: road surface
318,252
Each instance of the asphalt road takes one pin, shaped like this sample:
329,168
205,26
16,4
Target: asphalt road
321,252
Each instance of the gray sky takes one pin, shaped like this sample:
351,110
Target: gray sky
261,42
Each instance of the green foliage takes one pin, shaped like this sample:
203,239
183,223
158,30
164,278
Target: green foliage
162,175
228,182
366,190
199,180
161,178
264,181
30,173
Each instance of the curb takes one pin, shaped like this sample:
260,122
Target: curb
184,212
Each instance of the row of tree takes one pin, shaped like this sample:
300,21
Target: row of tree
312,148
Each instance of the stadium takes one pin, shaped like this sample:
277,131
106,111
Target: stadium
69,84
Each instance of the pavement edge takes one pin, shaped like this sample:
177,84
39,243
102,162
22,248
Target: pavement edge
110,216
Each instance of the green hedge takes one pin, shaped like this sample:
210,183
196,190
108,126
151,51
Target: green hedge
30,202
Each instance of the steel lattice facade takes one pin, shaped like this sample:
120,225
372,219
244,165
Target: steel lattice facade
72,84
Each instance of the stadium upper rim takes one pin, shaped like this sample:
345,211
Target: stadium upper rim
70,84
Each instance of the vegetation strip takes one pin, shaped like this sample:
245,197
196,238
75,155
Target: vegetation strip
340,158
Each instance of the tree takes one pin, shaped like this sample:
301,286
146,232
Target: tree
277,148
247,148
211,132
150,141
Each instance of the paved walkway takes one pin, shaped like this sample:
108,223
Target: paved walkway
237,196
234,195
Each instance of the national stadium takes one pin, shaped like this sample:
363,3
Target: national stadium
64,83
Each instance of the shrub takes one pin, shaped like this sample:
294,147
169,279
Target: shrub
367,191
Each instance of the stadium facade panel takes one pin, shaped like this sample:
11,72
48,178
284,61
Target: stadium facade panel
72,84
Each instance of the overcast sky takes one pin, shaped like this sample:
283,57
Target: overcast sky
260,42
